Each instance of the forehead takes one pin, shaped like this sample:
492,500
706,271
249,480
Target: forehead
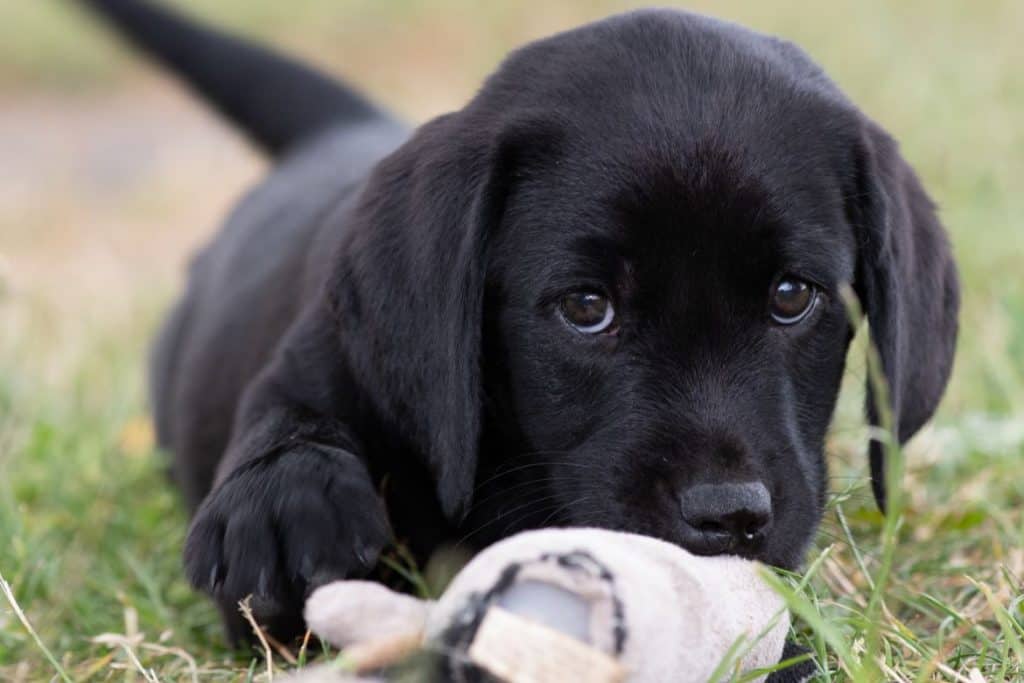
709,208
681,141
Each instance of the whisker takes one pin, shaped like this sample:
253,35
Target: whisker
564,507
547,463
504,515
554,508
523,484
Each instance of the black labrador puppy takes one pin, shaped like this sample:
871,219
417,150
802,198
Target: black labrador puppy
606,292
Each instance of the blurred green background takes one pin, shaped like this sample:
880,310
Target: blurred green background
110,176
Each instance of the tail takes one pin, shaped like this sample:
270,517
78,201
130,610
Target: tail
275,100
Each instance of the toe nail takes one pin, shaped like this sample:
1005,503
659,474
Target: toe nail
359,548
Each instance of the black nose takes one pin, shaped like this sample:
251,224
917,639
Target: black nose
721,518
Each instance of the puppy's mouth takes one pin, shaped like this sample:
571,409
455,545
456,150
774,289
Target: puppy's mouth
754,534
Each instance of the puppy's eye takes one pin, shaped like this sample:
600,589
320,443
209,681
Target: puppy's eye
588,312
791,300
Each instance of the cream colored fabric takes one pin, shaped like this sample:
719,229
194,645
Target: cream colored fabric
347,612
681,613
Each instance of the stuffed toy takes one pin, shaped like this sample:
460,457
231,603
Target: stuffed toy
561,605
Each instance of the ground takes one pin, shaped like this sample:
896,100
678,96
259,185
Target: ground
110,177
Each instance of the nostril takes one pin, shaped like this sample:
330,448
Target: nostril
753,527
717,517
711,528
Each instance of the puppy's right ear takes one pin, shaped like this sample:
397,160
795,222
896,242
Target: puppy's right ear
409,291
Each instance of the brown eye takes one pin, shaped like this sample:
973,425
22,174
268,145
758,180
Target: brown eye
588,312
792,300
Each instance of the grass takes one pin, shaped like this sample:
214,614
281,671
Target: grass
90,529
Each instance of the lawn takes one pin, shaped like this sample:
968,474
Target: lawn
110,177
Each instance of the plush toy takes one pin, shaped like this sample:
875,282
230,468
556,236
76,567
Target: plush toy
561,605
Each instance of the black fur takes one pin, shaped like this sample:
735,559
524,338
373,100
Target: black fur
907,283
372,342
275,100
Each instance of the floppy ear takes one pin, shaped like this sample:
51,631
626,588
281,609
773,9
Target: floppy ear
409,295
907,284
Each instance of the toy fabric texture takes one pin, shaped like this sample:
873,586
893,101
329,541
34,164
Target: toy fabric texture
560,605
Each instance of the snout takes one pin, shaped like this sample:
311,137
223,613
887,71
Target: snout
725,518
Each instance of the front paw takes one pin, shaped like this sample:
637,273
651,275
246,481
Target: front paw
795,673
280,526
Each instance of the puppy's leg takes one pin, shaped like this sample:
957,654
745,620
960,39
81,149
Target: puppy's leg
294,506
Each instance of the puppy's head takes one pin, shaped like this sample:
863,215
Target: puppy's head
608,291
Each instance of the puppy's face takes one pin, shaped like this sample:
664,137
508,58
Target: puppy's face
671,344
628,253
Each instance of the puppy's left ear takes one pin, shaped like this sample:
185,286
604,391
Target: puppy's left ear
409,291
907,283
